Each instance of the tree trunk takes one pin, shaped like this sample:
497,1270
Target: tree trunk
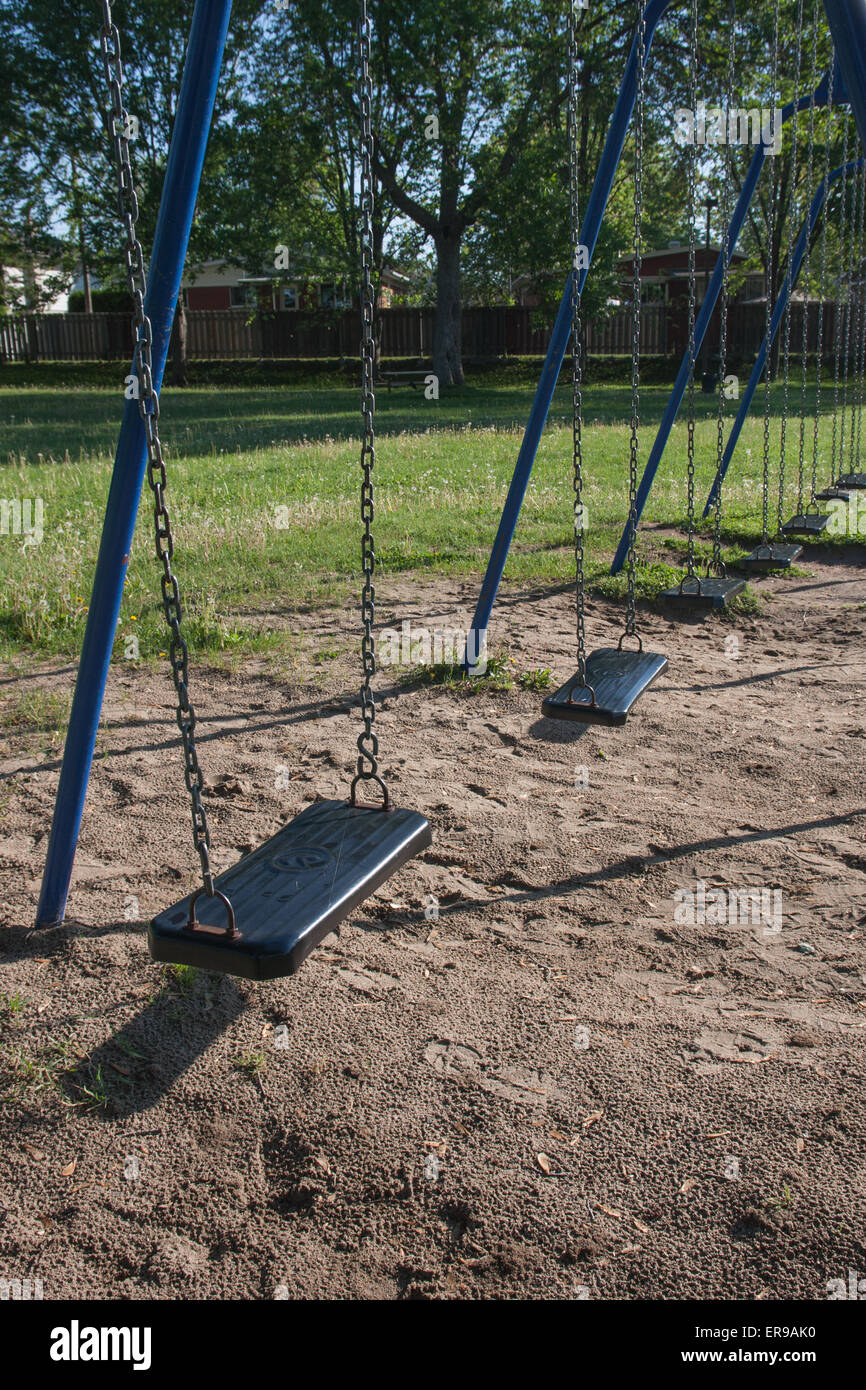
85,276
82,253
447,335
178,361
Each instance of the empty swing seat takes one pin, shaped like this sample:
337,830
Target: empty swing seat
805,524
290,892
616,677
770,557
715,592
855,480
833,494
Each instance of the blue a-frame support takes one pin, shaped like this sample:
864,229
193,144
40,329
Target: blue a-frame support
707,310
183,172
847,20
797,257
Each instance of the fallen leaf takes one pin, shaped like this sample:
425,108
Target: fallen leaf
68,1169
801,1144
592,1119
543,1162
688,1185
34,1153
641,1225
611,1211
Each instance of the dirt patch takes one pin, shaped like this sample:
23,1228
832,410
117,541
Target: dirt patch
537,1061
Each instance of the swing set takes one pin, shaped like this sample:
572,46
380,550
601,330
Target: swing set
262,917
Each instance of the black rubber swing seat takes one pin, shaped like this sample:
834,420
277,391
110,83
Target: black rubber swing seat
714,592
855,480
291,891
805,524
613,681
770,557
834,494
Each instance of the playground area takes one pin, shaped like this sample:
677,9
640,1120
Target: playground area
553,1089
431,857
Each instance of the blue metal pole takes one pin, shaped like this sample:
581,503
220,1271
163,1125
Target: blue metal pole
559,338
778,312
183,172
702,322
847,19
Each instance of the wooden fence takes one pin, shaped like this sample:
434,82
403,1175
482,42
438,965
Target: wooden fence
488,334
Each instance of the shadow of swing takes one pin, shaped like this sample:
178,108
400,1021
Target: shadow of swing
137,1066
638,864
134,1068
140,1063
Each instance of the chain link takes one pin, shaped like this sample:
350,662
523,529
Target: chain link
630,612
768,306
807,266
849,311
857,297
148,406
368,742
691,214
822,288
836,469
576,347
792,219
861,368
717,564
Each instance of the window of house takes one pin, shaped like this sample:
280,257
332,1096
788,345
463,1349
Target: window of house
290,297
333,296
242,295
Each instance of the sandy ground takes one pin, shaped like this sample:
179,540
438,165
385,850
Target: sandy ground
559,1087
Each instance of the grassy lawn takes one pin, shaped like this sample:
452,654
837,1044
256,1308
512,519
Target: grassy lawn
264,497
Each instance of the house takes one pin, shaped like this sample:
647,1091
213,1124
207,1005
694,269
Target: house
35,288
220,285
664,274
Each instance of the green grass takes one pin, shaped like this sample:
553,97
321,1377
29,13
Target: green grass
264,497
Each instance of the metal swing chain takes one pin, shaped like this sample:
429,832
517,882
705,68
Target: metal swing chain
807,265
630,629
766,542
368,742
691,213
849,310
148,406
860,185
792,218
717,563
822,290
576,354
840,290
861,368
